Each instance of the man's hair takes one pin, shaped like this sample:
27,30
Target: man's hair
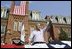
37,28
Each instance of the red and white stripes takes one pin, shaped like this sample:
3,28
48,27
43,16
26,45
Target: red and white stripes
20,10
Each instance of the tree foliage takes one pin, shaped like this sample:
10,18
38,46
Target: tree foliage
63,35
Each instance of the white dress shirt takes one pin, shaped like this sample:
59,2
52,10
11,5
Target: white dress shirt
38,35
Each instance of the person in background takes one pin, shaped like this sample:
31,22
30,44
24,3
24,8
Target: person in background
50,39
37,38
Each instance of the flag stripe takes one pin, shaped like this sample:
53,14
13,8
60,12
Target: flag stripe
20,10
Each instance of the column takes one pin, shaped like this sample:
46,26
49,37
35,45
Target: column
5,13
2,13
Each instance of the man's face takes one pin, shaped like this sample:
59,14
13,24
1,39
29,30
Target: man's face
39,26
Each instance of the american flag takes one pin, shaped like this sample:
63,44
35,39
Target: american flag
19,8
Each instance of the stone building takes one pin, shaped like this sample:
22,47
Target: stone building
11,23
58,22
4,20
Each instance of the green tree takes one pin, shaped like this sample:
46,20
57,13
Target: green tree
63,35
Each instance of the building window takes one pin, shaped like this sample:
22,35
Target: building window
31,14
3,29
35,15
15,26
19,26
5,13
56,18
2,13
65,20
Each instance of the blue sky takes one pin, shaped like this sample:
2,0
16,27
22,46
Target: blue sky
47,7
